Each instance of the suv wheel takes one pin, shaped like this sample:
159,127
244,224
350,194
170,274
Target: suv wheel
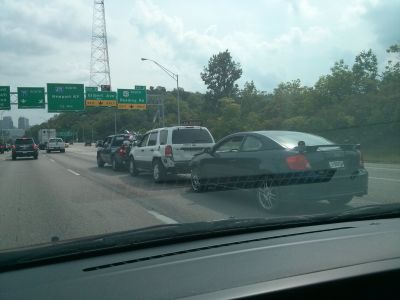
159,173
114,164
195,181
62,150
100,162
132,167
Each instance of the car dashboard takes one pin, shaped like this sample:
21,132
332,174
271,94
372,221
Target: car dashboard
359,259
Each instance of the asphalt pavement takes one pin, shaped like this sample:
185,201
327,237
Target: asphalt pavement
63,196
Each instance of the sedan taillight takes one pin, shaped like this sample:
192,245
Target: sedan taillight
298,162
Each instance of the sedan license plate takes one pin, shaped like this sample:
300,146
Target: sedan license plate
336,164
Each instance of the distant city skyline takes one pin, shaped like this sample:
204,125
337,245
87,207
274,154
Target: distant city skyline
23,123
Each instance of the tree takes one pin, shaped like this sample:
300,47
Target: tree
220,76
392,69
365,70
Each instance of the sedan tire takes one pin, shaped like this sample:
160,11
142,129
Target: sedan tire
195,181
268,197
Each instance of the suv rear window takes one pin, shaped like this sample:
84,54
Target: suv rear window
23,142
120,139
191,136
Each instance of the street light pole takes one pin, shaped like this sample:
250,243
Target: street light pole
2,124
174,77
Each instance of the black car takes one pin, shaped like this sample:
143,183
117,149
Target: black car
24,147
114,151
282,166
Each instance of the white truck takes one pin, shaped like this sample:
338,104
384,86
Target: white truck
44,136
55,144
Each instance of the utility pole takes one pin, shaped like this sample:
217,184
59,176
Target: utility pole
99,60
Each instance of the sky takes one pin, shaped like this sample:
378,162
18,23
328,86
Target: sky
45,41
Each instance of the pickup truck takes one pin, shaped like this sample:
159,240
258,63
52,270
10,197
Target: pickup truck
55,144
114,150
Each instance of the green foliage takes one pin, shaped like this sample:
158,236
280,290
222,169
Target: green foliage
351,104
220,76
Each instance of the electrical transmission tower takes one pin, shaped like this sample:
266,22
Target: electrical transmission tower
99,61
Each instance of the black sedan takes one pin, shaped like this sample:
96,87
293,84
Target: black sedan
282,166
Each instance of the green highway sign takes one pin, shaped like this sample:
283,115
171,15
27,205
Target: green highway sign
65,133
101,98
131,99
5,103
31,97
91,89
65,97
140,87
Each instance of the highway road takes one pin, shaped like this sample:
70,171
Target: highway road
64,195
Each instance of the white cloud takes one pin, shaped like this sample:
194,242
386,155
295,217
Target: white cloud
273,40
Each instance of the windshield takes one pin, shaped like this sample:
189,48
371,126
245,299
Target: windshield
177,113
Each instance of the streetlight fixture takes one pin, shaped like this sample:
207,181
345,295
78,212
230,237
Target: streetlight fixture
174,77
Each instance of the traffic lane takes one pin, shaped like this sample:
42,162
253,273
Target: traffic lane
388,172
174,198
42,201
384,183
164,199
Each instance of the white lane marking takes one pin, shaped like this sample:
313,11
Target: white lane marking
387,179
73,172
52,160
162,218
387,169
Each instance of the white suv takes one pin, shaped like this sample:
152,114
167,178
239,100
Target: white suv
168,150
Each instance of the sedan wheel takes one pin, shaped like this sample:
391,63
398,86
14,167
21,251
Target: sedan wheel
267,197
195,181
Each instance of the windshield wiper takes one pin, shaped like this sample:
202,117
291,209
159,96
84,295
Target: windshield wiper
142,238
372,211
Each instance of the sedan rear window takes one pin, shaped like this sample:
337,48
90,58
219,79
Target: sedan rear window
291,139
191,136
23,142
